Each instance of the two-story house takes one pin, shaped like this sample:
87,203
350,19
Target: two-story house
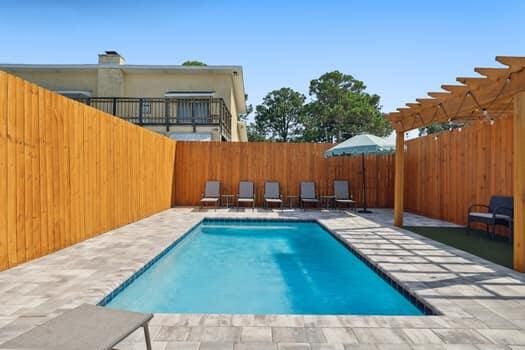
182,102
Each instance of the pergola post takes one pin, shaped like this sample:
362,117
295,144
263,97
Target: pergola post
519,181
399,192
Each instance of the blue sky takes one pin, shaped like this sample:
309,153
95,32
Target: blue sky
400,49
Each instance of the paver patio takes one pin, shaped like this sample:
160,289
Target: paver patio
483,304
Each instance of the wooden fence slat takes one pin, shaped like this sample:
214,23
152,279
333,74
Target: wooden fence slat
20,173
4,258
35,172
12,92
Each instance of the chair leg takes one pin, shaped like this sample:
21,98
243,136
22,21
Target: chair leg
147,337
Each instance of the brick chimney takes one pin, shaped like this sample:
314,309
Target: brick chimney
111,57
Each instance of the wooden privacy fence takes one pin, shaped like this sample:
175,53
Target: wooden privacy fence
69,172
287,163
444,176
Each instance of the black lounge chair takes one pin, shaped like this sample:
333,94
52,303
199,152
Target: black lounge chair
246,193
308,194
500,211
272,194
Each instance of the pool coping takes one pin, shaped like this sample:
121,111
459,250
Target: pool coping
419,302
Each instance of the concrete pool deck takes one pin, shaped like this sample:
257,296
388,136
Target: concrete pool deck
483,304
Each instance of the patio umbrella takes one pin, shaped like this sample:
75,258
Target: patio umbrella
361,144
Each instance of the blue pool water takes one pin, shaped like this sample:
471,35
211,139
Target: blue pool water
261,267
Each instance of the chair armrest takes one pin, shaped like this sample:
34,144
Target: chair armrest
504,211
479,206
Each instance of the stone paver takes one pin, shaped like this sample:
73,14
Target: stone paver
482,305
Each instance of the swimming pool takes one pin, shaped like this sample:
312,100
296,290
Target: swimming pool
261,267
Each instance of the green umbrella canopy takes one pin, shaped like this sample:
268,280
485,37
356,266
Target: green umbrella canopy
361,144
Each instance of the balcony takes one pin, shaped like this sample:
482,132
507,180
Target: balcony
168,111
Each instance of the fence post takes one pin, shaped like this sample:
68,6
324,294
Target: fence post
114,106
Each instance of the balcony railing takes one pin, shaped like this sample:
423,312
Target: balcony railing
168,111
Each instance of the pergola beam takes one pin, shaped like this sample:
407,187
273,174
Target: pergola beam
459,101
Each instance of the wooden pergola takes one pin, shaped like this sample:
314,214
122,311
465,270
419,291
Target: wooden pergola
495,93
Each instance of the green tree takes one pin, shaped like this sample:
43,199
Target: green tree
279,116
341,108
254,135
194,63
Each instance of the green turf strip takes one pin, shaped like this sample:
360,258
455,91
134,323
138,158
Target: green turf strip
497,250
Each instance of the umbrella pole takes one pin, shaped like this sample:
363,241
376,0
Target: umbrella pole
365,209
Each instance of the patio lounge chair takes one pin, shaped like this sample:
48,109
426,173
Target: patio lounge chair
342,195
212,193
86,327
500,211
272,194
308,193
246,193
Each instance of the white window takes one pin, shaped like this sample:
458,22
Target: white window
192,106
190,110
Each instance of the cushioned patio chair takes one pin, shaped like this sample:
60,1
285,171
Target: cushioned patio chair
308,194
500,211
342,195
272,194
246,193
212,193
